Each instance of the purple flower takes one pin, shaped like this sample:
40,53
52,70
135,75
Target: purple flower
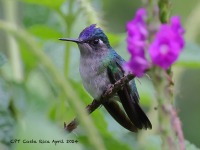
136,40
137,65
176,25
168,44
178,29
137,32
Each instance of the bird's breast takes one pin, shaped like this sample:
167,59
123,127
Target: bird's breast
94,76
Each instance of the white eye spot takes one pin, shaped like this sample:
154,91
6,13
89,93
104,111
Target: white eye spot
100,41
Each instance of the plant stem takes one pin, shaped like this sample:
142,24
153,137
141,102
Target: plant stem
163,100
164,10
163,94
15,58
67,52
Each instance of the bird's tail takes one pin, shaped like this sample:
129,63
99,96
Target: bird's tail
133,109
119,115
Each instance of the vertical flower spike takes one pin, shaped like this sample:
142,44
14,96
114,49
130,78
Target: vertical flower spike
136,40
168,44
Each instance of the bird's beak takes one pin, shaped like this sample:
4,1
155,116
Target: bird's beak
71,40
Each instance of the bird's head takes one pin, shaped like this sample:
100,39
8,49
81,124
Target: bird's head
91,40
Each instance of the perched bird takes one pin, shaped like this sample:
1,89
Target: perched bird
101,66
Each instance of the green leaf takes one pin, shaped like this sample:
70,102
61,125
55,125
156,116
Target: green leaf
34,14
48,3
44,32
190,56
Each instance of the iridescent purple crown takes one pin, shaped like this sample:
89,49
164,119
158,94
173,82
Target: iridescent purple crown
90,32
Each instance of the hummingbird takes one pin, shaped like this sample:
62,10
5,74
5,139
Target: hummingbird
101,66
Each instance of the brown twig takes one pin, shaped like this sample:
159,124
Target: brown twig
111,90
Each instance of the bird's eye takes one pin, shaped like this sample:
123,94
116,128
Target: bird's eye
95,41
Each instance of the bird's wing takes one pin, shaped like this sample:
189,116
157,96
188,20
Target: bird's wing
128,96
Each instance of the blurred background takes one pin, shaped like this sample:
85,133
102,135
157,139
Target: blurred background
33,105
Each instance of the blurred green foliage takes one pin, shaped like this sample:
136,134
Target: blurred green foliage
32,102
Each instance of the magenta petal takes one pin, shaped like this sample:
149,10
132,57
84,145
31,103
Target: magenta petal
137,65
168,44
176,25
136,40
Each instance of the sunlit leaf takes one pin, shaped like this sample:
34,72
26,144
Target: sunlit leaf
48,3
